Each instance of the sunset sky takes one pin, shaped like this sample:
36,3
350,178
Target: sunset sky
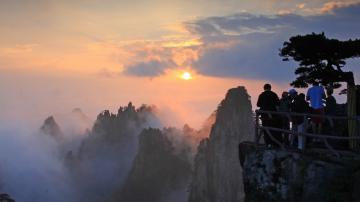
100,54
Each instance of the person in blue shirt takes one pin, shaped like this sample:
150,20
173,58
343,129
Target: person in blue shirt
316,94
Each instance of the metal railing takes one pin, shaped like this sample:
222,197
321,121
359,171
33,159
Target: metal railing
261,130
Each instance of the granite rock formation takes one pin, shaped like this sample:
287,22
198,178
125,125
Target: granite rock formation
274,175
216,167
105,156
159,170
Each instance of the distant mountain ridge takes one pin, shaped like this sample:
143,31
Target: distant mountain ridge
130,156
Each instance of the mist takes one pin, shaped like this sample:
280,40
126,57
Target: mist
45,162
81,165
31,169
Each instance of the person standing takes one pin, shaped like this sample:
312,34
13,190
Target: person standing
331,105
316,94
300,106
284,106
292,94
269,101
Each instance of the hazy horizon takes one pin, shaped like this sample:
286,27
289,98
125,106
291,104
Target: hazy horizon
181,56
96,55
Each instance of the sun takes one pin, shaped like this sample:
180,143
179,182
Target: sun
186,76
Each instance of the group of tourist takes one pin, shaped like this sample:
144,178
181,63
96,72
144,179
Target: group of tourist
315,102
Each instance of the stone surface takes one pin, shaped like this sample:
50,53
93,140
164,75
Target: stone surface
106,154
216,167
158,171
283,175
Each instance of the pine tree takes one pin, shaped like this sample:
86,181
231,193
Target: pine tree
323,59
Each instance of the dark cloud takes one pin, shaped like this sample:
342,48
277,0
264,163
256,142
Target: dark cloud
259,38
254,42
149,68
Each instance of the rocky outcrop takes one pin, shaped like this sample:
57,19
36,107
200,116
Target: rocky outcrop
273,175
105,157
158,170
119,130
51,128
216,167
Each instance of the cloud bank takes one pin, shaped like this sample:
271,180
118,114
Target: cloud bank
247,45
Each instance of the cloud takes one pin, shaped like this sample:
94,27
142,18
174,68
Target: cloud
259,37
329,7
242,45
154,58
150,68
18,49
107,73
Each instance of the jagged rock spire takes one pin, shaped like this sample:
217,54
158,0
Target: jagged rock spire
51,128
217,172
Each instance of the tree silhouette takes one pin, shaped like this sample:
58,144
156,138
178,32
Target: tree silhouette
320,58
5,198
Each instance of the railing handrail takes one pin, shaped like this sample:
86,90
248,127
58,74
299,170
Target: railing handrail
324,136
306,114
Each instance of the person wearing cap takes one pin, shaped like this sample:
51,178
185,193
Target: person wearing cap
316,94
293,93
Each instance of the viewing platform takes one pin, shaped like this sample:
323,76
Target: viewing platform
334,137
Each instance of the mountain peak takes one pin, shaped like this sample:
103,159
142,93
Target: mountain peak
51,128
216,169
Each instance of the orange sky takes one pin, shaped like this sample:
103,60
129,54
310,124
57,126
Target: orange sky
38,94
57,55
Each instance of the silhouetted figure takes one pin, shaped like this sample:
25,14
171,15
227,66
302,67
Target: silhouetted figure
269,101
284,106
300,106
330,108
292,94
285,101
316,94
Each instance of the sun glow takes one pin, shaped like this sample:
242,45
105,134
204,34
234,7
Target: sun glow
186,76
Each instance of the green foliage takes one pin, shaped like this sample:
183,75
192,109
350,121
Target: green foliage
320,58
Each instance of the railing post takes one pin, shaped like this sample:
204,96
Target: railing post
352,124
257,136
304,129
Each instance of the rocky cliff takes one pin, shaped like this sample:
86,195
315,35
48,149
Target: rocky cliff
118,130
159,170
105,156
272,175
216,167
